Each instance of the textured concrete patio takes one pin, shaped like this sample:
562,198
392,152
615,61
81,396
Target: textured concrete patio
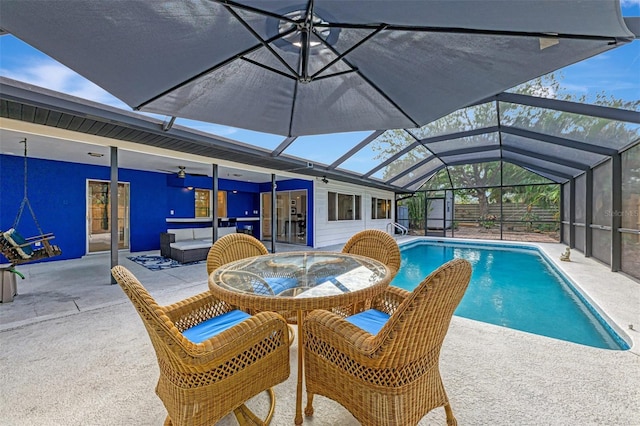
74,352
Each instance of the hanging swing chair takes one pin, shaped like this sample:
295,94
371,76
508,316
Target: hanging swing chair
18,249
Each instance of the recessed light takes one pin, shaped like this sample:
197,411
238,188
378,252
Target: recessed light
95,154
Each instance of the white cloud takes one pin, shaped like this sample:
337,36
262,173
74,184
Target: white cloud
52,75
629,3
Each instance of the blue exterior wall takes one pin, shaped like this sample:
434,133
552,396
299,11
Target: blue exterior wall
57,192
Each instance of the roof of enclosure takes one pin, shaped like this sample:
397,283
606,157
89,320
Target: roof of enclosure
554,139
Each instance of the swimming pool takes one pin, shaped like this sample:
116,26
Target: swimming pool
513,286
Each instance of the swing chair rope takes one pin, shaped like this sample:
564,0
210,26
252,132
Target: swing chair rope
25,199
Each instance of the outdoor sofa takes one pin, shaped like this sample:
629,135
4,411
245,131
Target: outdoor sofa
189,244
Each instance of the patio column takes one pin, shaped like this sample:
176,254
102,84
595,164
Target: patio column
501,189
214,213
616,212
274,227
572,213
113,189
588,214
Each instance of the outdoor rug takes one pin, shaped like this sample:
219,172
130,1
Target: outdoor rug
158,263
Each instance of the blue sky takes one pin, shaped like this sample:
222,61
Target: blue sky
616,73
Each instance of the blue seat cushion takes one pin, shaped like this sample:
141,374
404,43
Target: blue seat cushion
216,325
371,320
16,240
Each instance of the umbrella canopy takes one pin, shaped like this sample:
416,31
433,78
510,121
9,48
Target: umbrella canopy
310,67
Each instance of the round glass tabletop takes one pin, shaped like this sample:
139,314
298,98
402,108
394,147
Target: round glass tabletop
299,280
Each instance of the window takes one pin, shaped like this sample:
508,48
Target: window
333,208
343,207
380,209
222,203
203,203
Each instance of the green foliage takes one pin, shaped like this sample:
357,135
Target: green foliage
568,125
416,206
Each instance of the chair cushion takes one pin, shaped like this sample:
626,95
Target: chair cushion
216,325
16,240
371,320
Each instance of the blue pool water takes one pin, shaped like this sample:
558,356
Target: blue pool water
514,287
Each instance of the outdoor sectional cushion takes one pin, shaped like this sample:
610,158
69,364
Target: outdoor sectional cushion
213,326
16,241
370,320
182,234
192,244
203,233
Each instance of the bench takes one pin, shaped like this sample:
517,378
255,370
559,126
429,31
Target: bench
189,244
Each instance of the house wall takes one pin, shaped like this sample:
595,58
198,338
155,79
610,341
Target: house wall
57,192
338,232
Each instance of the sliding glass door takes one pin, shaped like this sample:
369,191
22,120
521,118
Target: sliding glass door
99,216
291,216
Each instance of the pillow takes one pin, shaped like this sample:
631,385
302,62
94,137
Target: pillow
16,240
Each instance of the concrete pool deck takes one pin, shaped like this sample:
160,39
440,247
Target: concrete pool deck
73,351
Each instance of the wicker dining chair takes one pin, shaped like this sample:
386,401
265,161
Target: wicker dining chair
212,358
377,245
382,364
233,247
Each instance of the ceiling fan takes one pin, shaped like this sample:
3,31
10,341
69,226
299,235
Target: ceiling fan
182,172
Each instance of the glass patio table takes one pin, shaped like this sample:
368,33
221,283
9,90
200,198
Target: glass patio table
299,282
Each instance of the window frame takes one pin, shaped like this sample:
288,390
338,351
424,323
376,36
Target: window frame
336,202
375,208
222,203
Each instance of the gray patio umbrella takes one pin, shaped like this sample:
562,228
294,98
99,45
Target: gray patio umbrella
310,67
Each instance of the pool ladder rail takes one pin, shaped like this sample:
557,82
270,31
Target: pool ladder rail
394,225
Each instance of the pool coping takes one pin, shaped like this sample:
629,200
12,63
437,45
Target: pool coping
618,304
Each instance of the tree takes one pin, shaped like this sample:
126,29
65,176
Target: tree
480,179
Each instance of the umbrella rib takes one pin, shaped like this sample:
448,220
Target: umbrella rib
256,63
335,74
264,42
257,11
209,70
346,52
457,30
375,87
